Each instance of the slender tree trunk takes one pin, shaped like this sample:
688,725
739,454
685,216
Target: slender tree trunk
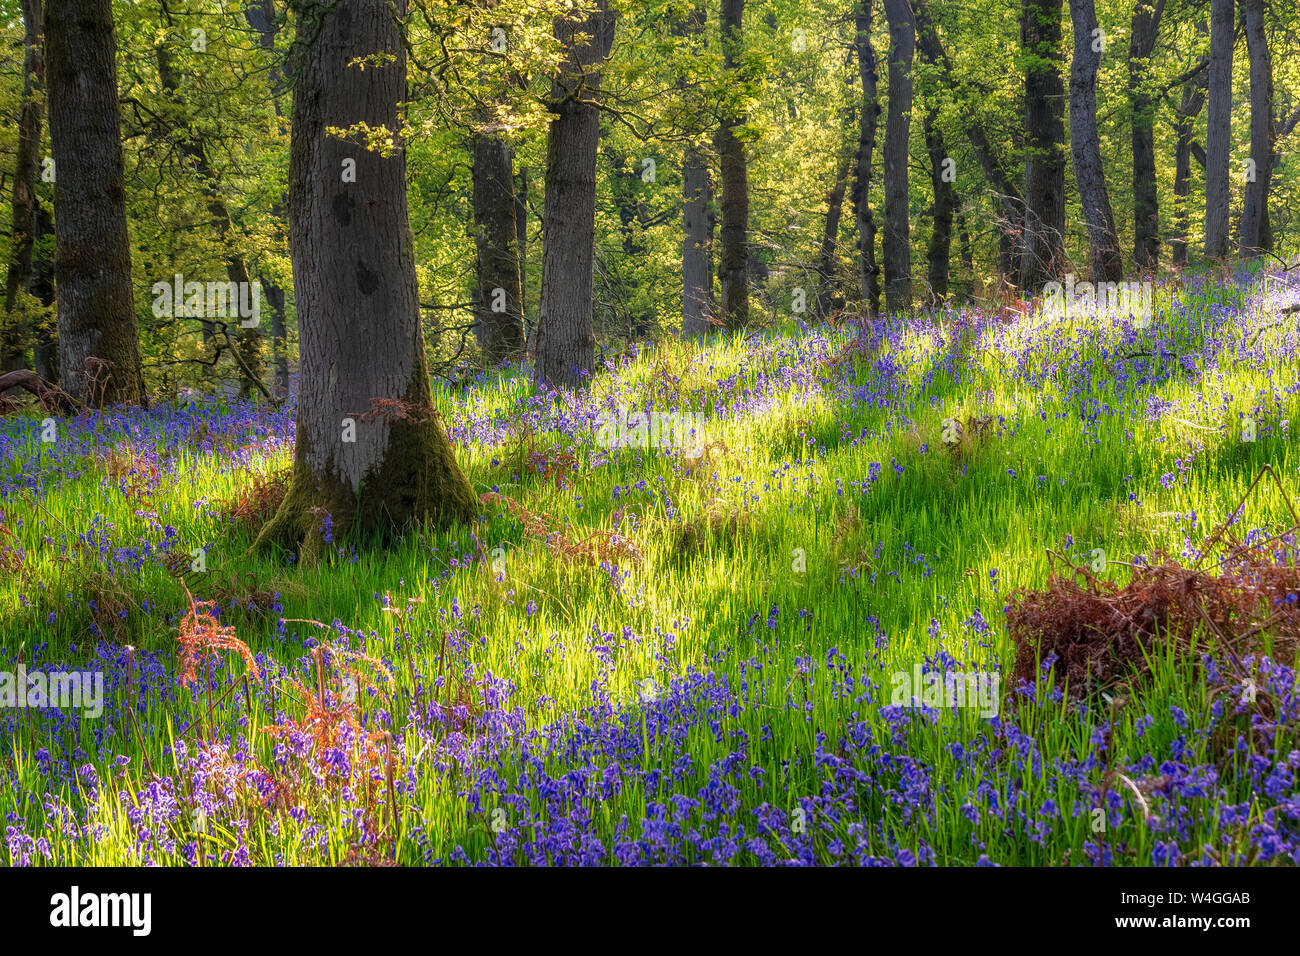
697,198
566,338
897,247
521,233
1189,107
1282,128
734,267
368,466
46,345
191,145
98,337
1007,194
1105,256
828,296
1146,200
1254,213
964,245
261,16
1043,238
697,243
279,336
1218,138
939,253
499,300
13,341
868,117
1185,126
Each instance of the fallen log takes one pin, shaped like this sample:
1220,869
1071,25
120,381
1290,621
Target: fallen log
50,396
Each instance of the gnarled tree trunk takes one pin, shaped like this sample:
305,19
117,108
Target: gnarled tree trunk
369,452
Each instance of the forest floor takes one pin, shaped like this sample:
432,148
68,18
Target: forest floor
714,651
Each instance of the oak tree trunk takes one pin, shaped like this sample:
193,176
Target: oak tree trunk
190,144
697,201
1007,195
98,337
369,452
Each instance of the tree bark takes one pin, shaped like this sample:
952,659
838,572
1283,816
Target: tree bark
1218,138
697,243
697,217
939,252
1106,259
566,339
1146,200
897,246
48,394
358,302
1008,196
734,266
828,296
97,322
868,117
190,144
13,344
1191,102
1043,235
261,17
521,235
45,351
1254,213
499,302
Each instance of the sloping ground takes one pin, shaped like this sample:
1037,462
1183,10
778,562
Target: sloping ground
655,655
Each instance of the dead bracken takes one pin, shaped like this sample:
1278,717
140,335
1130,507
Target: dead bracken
1097,633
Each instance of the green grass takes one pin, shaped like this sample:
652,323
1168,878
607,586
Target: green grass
790,532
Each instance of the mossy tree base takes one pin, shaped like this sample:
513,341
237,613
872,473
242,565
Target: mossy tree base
417,483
